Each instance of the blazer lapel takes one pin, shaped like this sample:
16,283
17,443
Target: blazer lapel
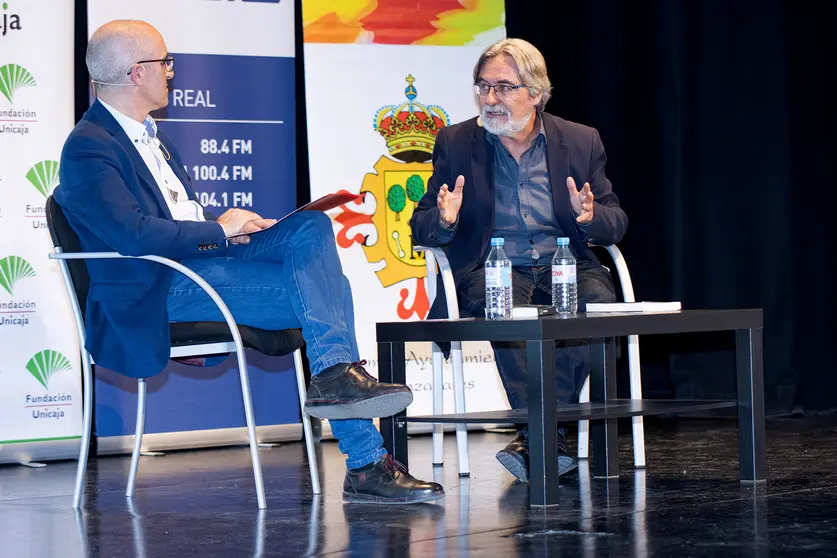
109,123
482,187
558,164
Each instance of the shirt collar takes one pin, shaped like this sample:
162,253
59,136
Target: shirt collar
541,130
137,131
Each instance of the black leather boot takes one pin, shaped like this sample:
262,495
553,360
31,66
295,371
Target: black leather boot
387,482
515,457
347,391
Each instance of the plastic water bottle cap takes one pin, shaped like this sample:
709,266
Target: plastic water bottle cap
563,241
497,242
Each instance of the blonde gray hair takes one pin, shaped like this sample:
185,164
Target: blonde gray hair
531,66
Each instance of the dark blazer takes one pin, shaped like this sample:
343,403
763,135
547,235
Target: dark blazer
113,203
572,150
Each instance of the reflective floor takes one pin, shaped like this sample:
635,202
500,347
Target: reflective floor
687,502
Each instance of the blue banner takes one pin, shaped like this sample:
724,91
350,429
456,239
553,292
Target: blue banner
185,398
231,118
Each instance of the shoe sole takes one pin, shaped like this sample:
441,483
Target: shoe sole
368,499
516,467
373,407
566,464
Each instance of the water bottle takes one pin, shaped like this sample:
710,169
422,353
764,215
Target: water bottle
498,283
564,287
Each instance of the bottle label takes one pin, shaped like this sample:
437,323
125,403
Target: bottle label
563,274
498,277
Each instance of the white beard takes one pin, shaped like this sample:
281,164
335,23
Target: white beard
508,128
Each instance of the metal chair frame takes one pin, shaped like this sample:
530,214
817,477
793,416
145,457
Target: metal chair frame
235,346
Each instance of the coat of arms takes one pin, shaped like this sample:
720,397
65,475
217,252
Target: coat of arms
392,193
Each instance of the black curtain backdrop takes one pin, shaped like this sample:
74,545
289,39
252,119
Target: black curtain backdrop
717,117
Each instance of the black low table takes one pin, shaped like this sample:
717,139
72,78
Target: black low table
604,408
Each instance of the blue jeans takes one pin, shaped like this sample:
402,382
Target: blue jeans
287,277
533,285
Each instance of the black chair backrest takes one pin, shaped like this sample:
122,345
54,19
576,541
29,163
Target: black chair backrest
64,236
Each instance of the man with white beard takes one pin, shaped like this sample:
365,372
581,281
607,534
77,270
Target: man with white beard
516,172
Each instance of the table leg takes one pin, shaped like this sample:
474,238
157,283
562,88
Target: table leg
750,373
543,426
603,433
392,368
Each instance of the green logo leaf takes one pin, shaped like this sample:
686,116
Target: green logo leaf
12,78
46,364
12,270
44,177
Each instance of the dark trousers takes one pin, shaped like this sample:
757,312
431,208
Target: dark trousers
533,285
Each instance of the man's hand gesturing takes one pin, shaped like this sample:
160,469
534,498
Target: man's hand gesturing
449,202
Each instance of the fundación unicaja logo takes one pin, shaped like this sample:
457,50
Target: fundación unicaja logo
15,312
14,77
44,177
46,364
12,270
17,120
47,406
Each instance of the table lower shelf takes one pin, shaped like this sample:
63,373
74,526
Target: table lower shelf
616,408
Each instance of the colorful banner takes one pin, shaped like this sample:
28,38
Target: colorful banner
381,77
231,117
40,370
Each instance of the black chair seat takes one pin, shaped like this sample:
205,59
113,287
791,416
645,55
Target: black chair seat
272,343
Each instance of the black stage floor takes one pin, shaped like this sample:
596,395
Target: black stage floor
687,502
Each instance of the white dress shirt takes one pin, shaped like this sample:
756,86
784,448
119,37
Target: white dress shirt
144,138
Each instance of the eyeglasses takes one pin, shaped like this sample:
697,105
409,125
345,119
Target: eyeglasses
502,90
168,62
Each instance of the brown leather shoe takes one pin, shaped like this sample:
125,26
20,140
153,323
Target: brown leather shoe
387,482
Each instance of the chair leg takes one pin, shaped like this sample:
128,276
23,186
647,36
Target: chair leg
584,425
87,427
135,455
306,424
459,405
251,424
438,405
636,393
314,526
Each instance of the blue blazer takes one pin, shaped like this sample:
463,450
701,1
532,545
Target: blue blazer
113,203
572,150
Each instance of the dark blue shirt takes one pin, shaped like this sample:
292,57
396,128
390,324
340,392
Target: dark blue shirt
523,213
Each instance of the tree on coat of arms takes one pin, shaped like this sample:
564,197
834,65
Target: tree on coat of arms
397,200
415,189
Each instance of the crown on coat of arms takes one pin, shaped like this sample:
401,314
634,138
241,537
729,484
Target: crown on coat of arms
410,128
